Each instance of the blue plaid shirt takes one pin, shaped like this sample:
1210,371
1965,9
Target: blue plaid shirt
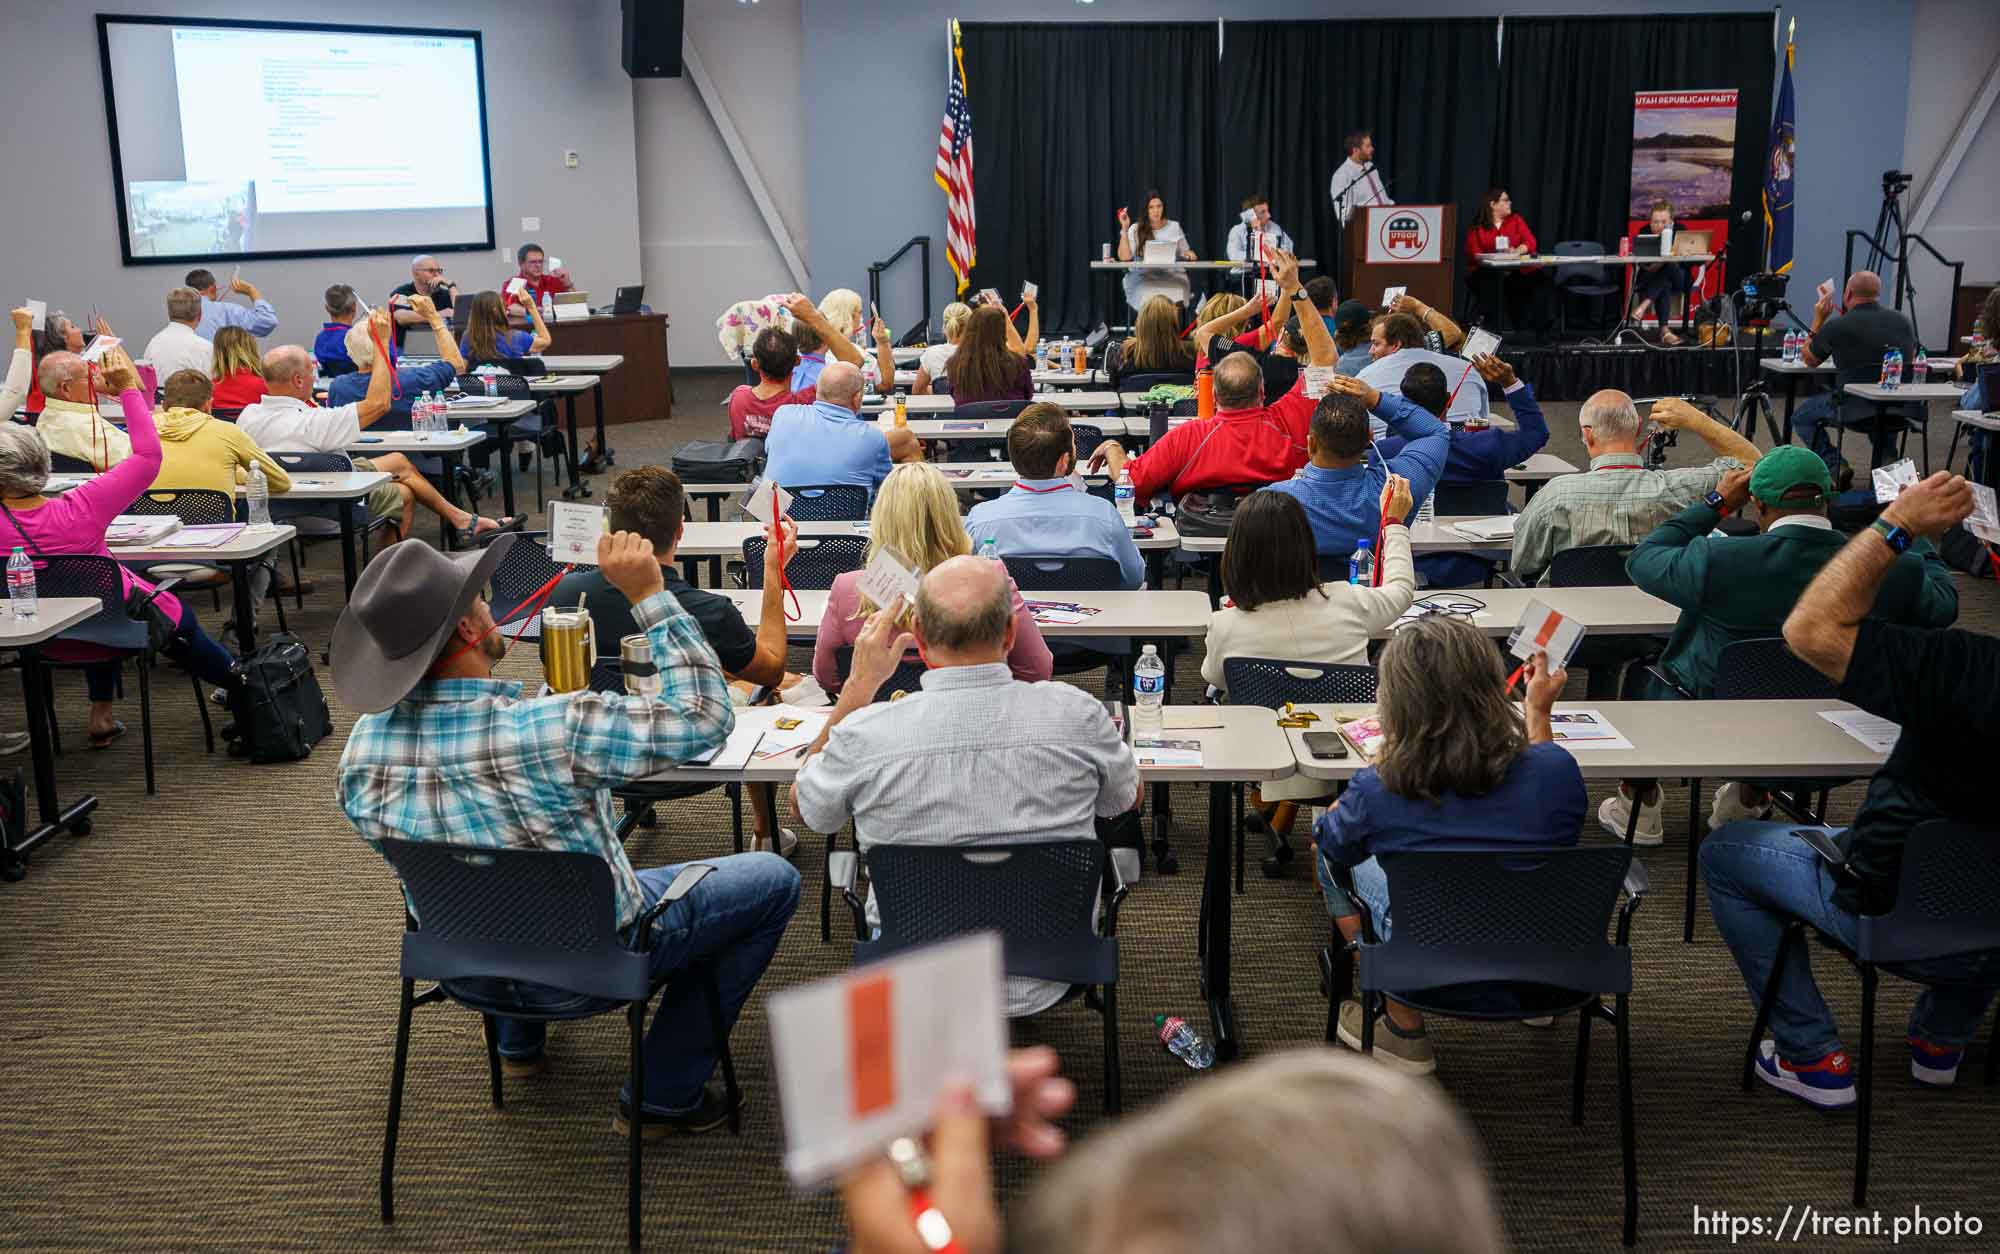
470,762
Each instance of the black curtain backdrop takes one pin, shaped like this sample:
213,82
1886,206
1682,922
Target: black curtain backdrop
1289,92
1071,120
1563,143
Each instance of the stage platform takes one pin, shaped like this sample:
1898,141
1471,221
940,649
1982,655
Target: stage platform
1571,372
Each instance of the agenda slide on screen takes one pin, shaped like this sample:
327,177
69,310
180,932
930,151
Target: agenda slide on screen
252,141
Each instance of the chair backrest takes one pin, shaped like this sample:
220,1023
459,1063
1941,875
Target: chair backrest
1577,272
828,502
1088,436
1472,498
1145,380
981,411
1040,897
1591,566
1947,899
1270,681
1765,670
543,915
908,676
227,413
814,565
520,574
194,506
1536,916
313,463
1989,386
1064,574
64,464
80,575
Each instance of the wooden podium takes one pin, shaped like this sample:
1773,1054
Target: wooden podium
1413,246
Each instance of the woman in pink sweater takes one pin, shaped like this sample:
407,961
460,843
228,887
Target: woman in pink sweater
75,522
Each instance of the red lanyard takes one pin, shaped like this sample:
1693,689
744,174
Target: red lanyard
1454,391
533,606
1054,487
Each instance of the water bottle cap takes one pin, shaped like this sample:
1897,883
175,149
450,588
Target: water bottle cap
1366,544
1149,649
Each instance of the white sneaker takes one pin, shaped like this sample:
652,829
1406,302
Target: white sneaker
1729,807
788,843
1616,812
13,742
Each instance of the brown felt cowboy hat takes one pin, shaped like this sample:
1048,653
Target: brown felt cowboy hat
404,606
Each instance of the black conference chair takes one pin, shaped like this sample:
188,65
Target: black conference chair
1947,904
1467,925
1271,682
319,520
544,916
1588,279
828,502
1591,566
1039,896
1604,657
1147,380
986,411
63,464
1757,670
519,579
815,564
1079,574
199,507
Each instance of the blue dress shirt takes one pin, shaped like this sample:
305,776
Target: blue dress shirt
411,382
1540,802
1345,505
823,443
1480,457
806,373
1054,518
258,318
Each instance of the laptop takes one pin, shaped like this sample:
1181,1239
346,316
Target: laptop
570,306
1646,246
628,299
560,299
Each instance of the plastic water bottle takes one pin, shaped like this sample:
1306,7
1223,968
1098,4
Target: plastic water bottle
1361,564
1791,347
1427,513
21,583
257,495
1122,493
1920,369
548,307
492,386
1063,358
989,548
1149,690
1184,1043
1892,370
1041,355
433,412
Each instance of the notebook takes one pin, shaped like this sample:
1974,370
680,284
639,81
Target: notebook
1499,528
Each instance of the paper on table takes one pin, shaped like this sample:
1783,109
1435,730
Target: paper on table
1878,734
1586,729
1543,630
1479,342
206,536
1389,294
862,1058
1059,612
573,532
1890,480
1167,753
782,740
38,314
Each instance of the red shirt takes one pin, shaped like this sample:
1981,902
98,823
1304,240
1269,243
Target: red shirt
245,387
1238,446
548,284
750,414
1486,239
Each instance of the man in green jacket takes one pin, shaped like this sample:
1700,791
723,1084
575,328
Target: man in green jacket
1732,588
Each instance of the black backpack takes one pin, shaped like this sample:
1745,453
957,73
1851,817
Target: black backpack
719,461
279,710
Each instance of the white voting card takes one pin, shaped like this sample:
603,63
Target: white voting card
1029,291
1985,520
573,532
1317,379
94,351
886,579
1501,243
758,500
1543,630
38,313
1480,342
1890,480
863,1058
1389,295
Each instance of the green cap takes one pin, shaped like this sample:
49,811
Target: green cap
1782,475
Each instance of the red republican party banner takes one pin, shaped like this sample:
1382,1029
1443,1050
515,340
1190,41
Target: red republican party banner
1683,152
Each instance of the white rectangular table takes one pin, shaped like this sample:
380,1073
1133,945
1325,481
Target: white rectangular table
1792,373
1044,379
1616,611
53,616
596,366
1144,613
1424,538
982,429
497,419
1919,393
937,403
236,556
452,446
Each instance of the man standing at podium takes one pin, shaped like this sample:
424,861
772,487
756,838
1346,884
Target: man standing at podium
1356,184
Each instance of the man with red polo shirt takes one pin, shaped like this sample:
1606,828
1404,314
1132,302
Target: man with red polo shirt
536,280
1247,442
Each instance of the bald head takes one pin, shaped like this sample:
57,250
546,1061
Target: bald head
965,612
1239,382
1863,286
840,383
65,376
288,371
1610,422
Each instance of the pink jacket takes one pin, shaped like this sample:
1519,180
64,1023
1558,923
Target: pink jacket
75,522
839,628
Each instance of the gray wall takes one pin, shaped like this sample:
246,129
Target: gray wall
552,83
877,69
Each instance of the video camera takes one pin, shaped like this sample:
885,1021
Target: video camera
1760,296
1895,182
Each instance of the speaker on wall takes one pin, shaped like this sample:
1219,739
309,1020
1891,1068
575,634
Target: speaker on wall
651,46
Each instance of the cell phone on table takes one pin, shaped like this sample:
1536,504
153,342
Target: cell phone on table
1325,744
368,439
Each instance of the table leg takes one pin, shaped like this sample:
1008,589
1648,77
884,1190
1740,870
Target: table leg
246,604
577,489
604,457
348,564
504,442
1791,403
449,490
1216,917
55,817
1156,569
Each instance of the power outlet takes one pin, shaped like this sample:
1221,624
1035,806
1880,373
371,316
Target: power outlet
569,158
531,224
506,256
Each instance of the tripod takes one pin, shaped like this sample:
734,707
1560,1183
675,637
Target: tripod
1890,217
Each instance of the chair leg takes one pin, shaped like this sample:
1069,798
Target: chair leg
146,717
1582,1068
635,1016
735,792
1236,794
1370,1004
1864,1082
826,888
298,584
1793,934
388,1195
492,1034
1694,851
1114,1085
1628,1140
201,704
720,1031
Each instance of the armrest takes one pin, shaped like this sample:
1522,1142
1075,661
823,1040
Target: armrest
690,875
1822,844
1657,672
840,871
1508,579
167,584
1123,868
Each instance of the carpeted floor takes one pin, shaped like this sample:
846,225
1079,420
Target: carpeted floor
200,1006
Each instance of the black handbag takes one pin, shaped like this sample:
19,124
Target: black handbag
1210,512
719,461
278,707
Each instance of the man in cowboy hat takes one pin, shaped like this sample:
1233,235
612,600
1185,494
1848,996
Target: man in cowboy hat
446,752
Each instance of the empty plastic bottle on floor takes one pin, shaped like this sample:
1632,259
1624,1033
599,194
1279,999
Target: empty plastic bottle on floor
257,495
1361,565
1184,1042
1149,690
21,583
1123,494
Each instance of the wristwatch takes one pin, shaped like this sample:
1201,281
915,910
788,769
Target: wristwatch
1715,502
1895,537
914,1167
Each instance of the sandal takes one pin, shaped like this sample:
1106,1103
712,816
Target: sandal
475,535
102,740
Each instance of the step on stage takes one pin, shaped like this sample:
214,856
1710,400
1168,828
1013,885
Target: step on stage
1571,372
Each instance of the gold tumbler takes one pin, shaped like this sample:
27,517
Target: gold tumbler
569,649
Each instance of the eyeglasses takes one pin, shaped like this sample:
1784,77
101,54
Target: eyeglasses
1463,606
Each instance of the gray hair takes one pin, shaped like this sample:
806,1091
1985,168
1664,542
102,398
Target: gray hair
183,305
957,623
59,370
1314,1151
24,460
360,348
1611,414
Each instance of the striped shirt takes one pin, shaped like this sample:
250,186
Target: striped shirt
1618,502
471,762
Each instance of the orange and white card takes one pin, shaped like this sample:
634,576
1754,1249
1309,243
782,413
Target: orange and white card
862,1058
1542,630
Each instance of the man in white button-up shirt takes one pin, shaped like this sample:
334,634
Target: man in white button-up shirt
1357,184
178,346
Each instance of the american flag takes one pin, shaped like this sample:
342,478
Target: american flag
954,171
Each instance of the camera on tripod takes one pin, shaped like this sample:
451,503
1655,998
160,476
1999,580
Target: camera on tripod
1760,296
1895,182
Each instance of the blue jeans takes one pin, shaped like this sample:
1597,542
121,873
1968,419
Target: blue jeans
734,917
190,647
1369,884
1760,877
1818,412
